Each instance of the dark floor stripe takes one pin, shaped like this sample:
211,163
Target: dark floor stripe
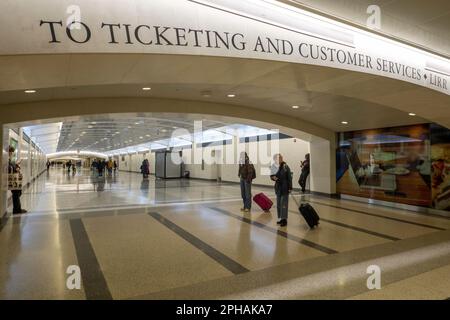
378,216
135,205
373,233
94,282
277,232
225,261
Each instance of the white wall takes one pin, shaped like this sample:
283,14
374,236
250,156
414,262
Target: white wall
132,162
260,153
218,164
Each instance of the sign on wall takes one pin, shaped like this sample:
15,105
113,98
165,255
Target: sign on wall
215,28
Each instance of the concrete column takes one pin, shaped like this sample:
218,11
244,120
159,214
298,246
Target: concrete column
4,144
323,166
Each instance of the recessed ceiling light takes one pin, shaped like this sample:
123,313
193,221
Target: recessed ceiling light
141,137
30,91
163,130
206,94
147,135
90,127
94,122
146,88
295,107
231,95
344,122
412,114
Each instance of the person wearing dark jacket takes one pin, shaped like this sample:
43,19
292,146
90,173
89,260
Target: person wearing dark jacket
282,175
14,168
100,167
305,173
246,174
145,168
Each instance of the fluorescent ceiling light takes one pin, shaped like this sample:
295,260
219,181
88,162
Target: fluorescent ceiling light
30,91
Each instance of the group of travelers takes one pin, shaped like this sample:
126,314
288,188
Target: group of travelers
281,174
101,165
74,166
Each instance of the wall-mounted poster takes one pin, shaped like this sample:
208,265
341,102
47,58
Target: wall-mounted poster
391,164
440,168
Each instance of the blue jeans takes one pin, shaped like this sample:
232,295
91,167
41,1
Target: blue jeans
246,193
282,206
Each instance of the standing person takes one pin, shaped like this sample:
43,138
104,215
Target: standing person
115,166
246,174
305,173
14,167
282,175
145,168
110,166
69,164
94,165
48,165
100,167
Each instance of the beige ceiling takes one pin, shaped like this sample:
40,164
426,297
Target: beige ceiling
425,23
326,96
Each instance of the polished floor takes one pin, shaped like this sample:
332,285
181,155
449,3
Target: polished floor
187,239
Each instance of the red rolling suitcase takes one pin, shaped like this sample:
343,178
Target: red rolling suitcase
263,201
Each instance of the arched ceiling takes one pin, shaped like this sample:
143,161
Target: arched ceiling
325,96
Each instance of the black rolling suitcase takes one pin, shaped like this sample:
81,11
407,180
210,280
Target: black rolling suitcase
309,214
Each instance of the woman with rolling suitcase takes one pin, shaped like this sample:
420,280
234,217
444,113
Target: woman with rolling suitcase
282,175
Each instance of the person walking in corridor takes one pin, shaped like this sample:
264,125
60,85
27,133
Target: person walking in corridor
305,173
110,166
14,168
246,174
115,166
282,175
145,168
100,167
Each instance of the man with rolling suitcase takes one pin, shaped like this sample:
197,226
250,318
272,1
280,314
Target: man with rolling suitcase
282,175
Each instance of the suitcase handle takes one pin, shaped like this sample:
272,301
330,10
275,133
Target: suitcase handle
295,200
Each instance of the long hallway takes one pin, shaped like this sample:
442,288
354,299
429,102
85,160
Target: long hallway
187,239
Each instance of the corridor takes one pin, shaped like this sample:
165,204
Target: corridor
187,239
